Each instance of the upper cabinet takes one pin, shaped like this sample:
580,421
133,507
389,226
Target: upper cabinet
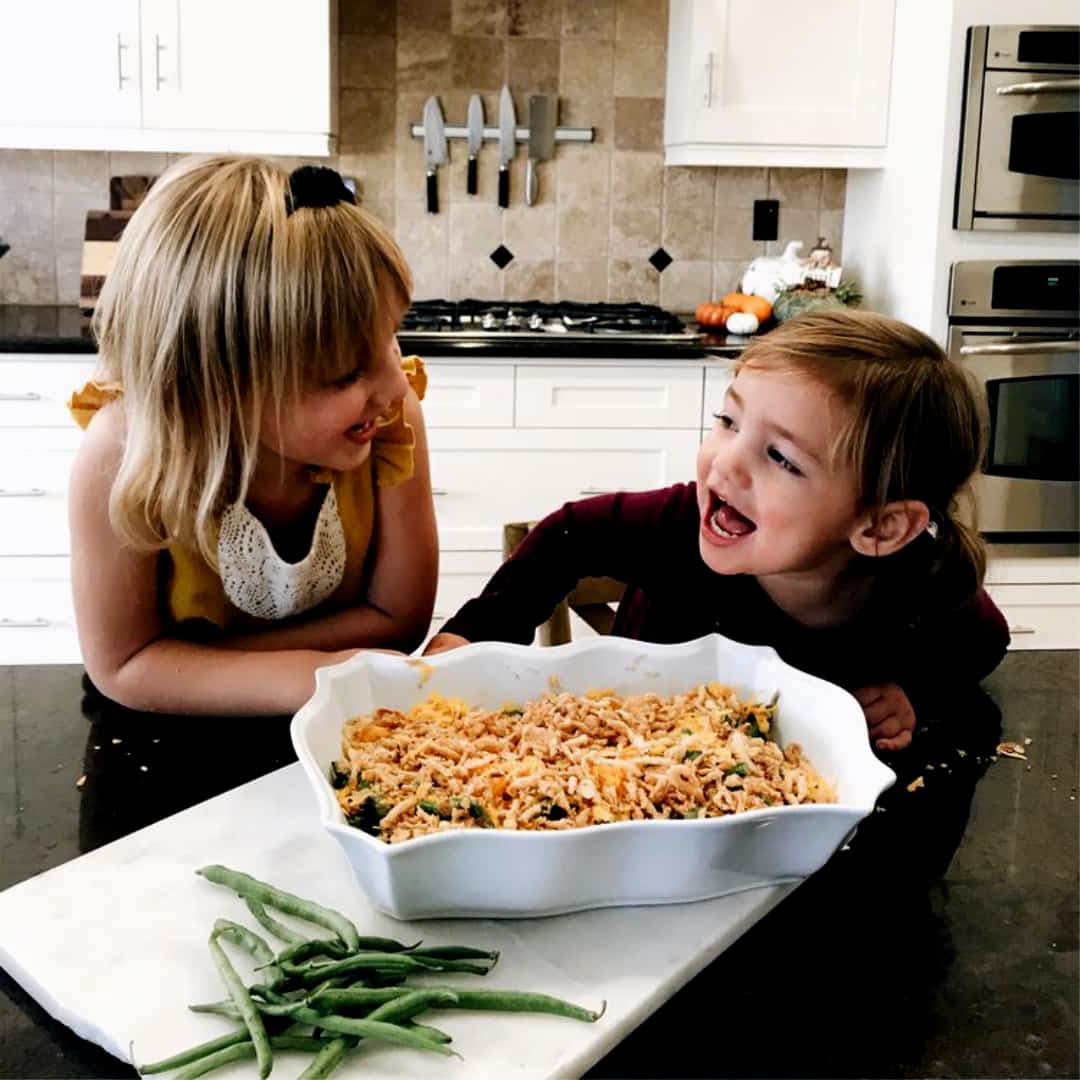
785,83
169,75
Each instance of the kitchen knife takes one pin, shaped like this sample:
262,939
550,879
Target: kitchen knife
476,139
507,143
434,150
541,140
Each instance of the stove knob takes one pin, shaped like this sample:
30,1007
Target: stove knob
536,322
512,321
487,321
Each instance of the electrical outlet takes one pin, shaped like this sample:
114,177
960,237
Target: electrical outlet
766,218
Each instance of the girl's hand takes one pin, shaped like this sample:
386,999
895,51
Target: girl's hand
444,643
889,715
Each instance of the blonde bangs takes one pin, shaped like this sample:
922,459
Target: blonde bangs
222,304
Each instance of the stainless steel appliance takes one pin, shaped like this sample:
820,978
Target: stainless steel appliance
1020,135
1016,327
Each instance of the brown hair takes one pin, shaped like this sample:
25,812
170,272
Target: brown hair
916,429
223,302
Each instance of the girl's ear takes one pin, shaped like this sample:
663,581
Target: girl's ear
890,527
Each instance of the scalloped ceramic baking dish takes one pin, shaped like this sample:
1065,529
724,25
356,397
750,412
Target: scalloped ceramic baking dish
506,873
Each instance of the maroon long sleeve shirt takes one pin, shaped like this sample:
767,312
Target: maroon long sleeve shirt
649,540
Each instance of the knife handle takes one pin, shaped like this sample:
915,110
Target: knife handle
530,181
470,177
432,193
504,186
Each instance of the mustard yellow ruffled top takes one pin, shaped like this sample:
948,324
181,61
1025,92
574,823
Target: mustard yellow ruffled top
193,591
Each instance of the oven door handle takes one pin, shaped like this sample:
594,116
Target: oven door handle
1051,86
1020,348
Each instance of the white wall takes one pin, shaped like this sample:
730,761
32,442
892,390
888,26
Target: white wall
898,237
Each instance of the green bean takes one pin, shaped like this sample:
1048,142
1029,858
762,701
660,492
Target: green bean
456,952
193,1053
409,1005
272,925
328,1058
253,945
245,885
242,999
523,1001
383,944
434,963
427,1031
355,997
391,963
372,1029
297,953
246,1049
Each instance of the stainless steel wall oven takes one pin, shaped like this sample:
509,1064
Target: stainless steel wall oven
1016,327
1020,136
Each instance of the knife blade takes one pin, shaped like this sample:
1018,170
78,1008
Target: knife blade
541,140
476,139
434,150
507,143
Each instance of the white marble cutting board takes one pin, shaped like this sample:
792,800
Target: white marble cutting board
114,944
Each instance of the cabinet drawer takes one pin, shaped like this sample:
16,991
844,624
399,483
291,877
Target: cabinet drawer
484,479
462,575
1040,616
717,380
34,468
605,397
33,393
37,618
469,396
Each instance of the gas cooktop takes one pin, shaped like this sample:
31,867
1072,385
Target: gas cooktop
536,319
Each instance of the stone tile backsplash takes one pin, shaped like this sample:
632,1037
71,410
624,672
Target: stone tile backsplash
604,207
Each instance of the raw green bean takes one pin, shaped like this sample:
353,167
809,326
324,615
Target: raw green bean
185,1057
456,952
246,1049
272,925
328,1058
217,1008
332,998
427,1031
391,963
245,886
523,1001
409,1005
253,945
434,963
304,950
371,1029
242,999
383,944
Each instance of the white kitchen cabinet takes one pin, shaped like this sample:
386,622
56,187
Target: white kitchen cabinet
34,467
169,75
34,392
485,478
780,84
469,395
37,616
718,378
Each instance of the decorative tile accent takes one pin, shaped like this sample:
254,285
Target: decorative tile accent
660,260
502,257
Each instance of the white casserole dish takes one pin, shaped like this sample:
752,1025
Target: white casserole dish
506,873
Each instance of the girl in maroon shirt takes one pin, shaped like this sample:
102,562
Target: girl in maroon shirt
823,523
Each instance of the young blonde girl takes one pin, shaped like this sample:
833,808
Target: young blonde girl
252,498
823,522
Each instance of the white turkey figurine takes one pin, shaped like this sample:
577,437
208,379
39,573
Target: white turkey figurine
768,275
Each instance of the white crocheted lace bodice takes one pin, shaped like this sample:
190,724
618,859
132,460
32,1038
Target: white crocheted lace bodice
259,582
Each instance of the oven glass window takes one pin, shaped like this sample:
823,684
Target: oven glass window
1034,431
1046,144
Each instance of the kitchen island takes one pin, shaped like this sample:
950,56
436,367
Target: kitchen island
874,967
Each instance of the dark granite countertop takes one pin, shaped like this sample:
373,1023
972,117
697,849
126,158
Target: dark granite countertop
875,967
44,328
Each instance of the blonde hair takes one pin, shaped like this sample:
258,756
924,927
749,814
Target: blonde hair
915,428
225,301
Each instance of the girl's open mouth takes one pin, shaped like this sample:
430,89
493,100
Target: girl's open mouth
362,433
723,522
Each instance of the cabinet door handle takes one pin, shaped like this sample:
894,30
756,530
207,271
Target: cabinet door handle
594,491
1021,629
24,493
439,491
1051,86
709,65
120,76
158,49
30,395
24,624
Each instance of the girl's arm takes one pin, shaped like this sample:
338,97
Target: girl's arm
126,650
633,537
400,593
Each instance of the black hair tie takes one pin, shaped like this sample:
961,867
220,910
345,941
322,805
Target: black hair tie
315,186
